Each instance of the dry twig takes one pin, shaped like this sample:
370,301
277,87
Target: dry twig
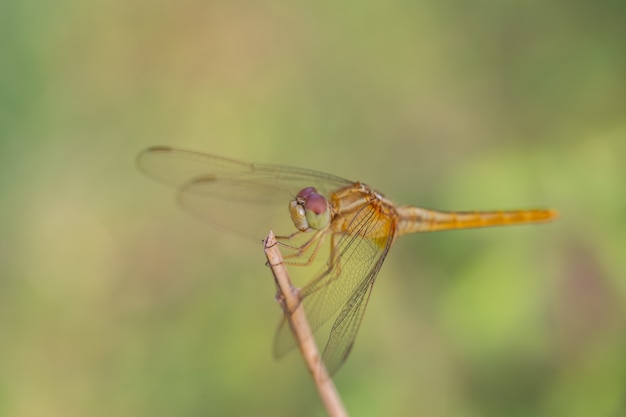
302,332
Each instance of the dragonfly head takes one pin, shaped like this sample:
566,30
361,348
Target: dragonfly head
309,210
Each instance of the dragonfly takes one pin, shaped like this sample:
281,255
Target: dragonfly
356,224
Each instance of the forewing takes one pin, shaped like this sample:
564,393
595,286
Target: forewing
245,198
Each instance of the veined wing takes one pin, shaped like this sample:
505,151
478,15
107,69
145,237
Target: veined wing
245,198
342,288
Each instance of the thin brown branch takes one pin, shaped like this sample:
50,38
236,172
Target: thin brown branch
302,332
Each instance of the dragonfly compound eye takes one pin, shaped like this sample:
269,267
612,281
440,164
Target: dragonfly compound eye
316,210
304,193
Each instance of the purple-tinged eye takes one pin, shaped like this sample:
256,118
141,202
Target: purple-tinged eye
315,203
306,192
309,210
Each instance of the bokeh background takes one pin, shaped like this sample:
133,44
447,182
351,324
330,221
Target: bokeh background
113,302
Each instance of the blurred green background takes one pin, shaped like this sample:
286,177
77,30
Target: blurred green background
113,302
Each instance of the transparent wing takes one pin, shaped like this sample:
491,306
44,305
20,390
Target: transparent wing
249,199
245,198
342,289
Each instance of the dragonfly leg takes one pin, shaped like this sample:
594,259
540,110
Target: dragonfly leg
280,239
313,244
333,267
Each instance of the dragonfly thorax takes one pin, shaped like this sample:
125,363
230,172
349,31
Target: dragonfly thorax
309,210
